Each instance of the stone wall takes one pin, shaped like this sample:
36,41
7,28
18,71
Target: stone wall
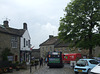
35,53
72,50
5,42
96,51
45,49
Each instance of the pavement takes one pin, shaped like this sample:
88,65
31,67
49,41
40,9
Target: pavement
29,70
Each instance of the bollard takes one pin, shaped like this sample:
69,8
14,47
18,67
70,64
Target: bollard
30,68
35,65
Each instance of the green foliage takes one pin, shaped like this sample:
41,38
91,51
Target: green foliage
80,26
6,52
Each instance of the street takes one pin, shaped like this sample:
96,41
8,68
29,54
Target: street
46,70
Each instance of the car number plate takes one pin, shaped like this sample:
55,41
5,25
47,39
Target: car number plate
79,70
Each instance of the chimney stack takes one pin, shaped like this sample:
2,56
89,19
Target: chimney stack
5,23
51,36
25,26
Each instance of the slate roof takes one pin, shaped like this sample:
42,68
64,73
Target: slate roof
54,41
50,41
62,44
12,31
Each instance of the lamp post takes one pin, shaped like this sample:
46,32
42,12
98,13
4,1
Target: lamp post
30,63
30,58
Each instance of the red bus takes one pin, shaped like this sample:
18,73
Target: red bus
67,57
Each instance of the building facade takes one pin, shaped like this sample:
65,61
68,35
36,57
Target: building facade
54,44
48,45
17,40
35,53
25,45
10,39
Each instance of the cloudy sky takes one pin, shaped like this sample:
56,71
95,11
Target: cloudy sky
41,16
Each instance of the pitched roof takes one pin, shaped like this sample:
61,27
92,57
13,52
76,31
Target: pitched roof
62,44
12,31
55,41
50,41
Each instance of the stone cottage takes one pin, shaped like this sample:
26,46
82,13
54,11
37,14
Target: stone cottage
55,44
11,38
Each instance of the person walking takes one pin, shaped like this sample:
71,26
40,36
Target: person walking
41,61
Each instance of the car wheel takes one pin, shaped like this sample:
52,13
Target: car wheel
89,71
76,72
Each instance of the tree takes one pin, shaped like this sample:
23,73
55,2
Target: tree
81,24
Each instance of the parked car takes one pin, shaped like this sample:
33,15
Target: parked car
96,69
85,65
97,58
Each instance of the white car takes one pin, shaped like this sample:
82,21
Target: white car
96,69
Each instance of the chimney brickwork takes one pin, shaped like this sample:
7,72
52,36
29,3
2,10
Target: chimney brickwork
25,26
5,23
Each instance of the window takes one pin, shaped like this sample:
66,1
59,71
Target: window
29,43
50,48
14,42
93,62
81,63
24,42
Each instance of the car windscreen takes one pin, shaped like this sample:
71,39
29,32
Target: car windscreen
93,62
81,63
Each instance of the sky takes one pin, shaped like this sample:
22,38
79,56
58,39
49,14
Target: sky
42,17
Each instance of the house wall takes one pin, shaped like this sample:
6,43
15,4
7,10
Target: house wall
72,50
96,51
27,44
35,53
25,47
45,49
63,49
5,42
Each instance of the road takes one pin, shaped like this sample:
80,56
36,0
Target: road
46,70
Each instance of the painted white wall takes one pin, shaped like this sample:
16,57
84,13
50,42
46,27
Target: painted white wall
27,37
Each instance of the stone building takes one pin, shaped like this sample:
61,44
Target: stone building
48,45
96,51
25,45
35,53
12,39
54,44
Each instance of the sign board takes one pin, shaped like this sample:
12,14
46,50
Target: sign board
10,58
